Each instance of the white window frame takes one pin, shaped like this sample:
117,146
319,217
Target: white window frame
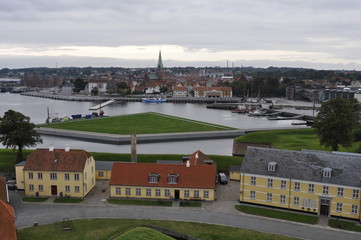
205,194
283,184
253,180
282,199
340,192
355,193
67,188
269,182
138,191
172,179
67,176
354,209
325,190
53,176
31,187
101,174
157,192
297,186
41,188
196,193
186,193
31,175
77,189
153,178
118,190
76,176
167,192
252,195
40,176
269,197
127,191
311,187
296,201
339,207
148,192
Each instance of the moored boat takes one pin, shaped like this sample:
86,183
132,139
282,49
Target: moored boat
154,100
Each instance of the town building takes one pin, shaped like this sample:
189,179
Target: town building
101,84
4,193
324,183
213,92
180,91
7,221
193,179
59,172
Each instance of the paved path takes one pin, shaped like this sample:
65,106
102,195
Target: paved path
48,212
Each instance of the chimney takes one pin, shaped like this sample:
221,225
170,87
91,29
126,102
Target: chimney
188,164
51,148
133,147
67,147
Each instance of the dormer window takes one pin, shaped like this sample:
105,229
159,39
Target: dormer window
153,178
327,172
173,178
272,166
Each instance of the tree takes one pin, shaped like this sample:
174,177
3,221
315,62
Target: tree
335,121
95,91
17,131
79,83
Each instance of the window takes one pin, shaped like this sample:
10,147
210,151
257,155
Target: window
31,176
138,191
92,169
101,174
118,190
31,187
127,191
283,184
167,192
339,207
340,192
282,199
41,188
172,178
270,182
206,194
67,188
297,186
269,197
355,193
153,178
354,209
296,201
327,172
148,192
85,176
309,203
186,193
157,192
311,188
67,176
325,190
196,193
77,189
40,176
76,176
272,166
53,176
252,195
253,180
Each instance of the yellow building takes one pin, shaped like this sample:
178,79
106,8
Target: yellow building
103,170
234,172
49,172
195,179
324,183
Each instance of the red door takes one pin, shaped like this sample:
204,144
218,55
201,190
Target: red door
54,190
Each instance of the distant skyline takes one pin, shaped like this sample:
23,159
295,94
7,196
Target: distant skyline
322,34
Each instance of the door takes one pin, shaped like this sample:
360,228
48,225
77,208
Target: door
176,194
325,207
54,190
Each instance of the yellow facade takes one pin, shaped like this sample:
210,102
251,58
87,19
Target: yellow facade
19,177
48,183
103,174
163,193
314,197
234,175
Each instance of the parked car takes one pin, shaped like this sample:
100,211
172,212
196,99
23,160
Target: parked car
11,184
222,178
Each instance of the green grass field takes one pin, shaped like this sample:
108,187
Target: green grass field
290,216
345,225
142,123
296,139
8,158
140,233
104,229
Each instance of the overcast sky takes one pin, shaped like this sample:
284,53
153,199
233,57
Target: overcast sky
320,34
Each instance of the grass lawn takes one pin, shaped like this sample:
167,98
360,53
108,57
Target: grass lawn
345,225
290,216
34,199
140,233
68,200
104,229
8,159
190,204
296,139
142,123
140,202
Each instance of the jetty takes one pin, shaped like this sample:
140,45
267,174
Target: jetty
102,105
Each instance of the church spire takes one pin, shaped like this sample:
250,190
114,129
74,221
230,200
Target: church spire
160,63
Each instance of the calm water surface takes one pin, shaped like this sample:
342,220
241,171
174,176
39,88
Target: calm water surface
36,109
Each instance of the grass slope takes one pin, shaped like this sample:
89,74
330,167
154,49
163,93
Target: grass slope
141,233
296,139
142,123
8,159
104,229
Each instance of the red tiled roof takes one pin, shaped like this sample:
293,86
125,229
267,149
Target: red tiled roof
197,158
137,174
177,88
212,88
3,192
7,222
57,160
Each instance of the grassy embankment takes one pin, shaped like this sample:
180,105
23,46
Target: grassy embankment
142,123
99,229
140,233
296,139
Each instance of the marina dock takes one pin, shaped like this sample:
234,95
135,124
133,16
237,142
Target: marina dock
102,105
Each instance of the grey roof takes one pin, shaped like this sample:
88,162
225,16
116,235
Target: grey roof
22,163
104,165
305,165
169,162
235,168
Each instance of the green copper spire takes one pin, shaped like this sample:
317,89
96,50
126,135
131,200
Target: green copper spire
160,63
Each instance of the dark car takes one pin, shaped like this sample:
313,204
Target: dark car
222,178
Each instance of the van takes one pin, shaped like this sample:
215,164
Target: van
222,178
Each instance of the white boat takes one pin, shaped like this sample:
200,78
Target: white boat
154,100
